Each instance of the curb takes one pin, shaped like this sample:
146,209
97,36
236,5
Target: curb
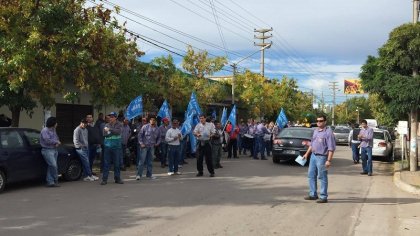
404,186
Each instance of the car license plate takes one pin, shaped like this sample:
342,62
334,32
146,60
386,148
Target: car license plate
289,152
341,140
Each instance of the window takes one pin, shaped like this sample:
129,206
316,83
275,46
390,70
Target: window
32,137
11,139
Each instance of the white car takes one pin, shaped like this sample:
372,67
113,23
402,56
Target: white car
382,144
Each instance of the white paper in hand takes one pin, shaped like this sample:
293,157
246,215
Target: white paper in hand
300,160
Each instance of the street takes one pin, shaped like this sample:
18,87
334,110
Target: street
247,197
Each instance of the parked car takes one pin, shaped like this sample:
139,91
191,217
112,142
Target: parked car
290,143
382,145
341,134
21,159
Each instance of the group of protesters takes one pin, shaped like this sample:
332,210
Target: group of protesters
108,139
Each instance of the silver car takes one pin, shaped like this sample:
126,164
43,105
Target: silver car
341,134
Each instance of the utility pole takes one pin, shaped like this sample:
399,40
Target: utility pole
263,44
322,102
416,11
333,86
413,112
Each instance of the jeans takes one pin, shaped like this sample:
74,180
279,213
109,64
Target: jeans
163,147
367,159
259,146
84,158
92,154
173,157
355,151
267,145
50,156
317,169
111,154
146,156
239,143
183,152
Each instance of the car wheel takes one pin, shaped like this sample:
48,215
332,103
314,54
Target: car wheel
73,170
2,181
276,159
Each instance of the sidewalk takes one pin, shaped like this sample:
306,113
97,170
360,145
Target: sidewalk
403,178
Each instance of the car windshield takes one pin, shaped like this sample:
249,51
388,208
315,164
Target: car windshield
296,133
378,135
342,130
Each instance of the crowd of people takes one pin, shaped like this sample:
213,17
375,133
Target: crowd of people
108,138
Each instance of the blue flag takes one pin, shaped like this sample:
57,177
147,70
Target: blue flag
164,111
223,120
232,118
282,119
187,125
135,108
213,114
193,105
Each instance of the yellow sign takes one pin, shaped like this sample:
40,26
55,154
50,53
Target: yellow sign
353,86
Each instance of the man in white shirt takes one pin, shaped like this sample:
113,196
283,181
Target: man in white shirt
204,131
173,137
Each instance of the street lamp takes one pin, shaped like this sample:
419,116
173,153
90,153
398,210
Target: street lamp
234,66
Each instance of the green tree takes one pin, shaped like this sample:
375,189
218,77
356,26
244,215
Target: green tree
394,76
48,46
199,65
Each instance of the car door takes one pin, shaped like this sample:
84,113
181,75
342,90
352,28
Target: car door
32,138
18,158
389,145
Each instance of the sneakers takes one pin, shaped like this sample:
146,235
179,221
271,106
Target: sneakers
118,181
138,177
211,175
170,173
103,182
369,174
363,173
179,166
310,198
88,178
322,201
151,177
178,173
199,174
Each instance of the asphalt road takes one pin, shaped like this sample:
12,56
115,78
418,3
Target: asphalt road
247,197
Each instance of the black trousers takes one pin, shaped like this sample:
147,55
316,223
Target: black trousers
233,145
204,151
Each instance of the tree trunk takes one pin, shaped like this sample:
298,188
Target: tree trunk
413,133
15,116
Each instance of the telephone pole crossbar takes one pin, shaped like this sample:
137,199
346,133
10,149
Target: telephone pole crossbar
262,36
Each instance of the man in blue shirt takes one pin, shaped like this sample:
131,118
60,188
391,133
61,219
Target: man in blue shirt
366,138
322,148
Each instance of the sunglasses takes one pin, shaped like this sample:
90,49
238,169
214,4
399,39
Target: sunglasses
320,120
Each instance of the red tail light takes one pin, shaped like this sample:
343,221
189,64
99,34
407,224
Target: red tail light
306,143
277,141
382,144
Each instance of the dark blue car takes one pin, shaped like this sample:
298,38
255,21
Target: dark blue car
21,159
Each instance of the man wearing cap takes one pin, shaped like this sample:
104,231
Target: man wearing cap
112,144
148,138
163,146
80,141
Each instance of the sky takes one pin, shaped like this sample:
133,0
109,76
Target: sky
315,42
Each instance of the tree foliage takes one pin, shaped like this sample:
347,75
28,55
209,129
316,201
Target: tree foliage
48,45
391,74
